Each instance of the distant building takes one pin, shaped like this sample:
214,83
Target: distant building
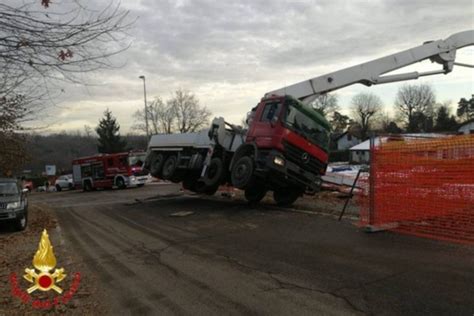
360,154
347,140
467,127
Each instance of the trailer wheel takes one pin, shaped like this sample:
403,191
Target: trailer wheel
255,194
286,197
242,174
156,165
169,167
215,172
87,186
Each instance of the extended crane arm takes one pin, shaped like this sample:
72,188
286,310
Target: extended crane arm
442,52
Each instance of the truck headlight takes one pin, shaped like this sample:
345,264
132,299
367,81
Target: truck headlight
13,205
279,161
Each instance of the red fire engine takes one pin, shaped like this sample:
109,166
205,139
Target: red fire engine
108,170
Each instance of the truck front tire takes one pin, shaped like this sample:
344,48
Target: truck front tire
120,183
242,174
286,197
255,194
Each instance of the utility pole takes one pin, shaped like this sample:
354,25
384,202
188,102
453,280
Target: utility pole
146,107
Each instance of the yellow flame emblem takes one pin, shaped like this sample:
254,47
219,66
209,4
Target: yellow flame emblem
44,261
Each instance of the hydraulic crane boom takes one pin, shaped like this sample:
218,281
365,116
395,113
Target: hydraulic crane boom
441,51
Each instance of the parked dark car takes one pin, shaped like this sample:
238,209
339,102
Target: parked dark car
13,203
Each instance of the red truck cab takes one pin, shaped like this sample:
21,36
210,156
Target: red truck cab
288,143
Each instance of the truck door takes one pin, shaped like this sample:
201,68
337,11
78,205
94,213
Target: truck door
263,125
98,175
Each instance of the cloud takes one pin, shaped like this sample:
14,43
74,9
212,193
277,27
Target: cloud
231,52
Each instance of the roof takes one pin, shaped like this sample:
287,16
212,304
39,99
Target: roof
340,136
466,123
366,144
353,133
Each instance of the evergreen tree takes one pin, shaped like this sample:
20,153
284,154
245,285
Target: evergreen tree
392,128
466,108
445,122
109,136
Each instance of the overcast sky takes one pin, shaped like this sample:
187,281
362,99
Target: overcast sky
229,53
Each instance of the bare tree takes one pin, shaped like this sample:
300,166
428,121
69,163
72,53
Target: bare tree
326,104
56,43
88,131
161,118
414,104
190,115
365,107
41,47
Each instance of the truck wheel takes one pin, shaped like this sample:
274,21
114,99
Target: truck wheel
169,167
157,165
214,173
21,223
286,197
120,183
255,194
58,188
87,186
242,174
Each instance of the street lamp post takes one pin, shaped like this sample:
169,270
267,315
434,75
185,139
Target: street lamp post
146,107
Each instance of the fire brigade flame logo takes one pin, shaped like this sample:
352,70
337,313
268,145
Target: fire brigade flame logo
44,261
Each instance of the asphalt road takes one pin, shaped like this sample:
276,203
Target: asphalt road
229,258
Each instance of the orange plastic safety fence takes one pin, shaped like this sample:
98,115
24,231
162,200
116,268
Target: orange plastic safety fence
422,187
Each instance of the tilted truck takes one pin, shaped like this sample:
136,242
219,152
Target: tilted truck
285,149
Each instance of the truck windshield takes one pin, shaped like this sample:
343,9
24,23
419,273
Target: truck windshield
8,188
136,160
307,127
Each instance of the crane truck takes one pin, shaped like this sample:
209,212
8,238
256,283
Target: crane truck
285,148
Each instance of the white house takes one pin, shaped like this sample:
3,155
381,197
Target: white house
360,154
347,140
467,127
